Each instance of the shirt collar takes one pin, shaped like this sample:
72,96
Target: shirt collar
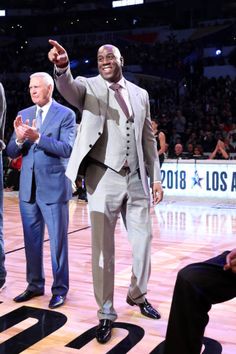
121,82
45,108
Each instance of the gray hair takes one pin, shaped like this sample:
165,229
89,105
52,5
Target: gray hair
46,77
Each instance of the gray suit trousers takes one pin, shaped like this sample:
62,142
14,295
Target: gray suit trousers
109,194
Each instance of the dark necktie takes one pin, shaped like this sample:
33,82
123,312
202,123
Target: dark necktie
120,99
39,119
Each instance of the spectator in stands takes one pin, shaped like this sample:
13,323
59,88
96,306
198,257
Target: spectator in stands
220,131
208,141
232,140
198,152
175,138
179,124
220,152
161,140
193,139
189,151
178,152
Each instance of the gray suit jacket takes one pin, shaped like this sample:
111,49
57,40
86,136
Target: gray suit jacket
90,95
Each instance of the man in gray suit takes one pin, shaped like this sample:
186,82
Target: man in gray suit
45,144
3,108
114,147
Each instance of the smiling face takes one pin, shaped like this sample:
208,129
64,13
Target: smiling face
110,63
40,90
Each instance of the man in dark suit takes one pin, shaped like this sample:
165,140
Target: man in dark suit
114,148
3,107
45,144
198,286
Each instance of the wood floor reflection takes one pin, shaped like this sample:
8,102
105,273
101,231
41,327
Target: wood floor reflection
184,231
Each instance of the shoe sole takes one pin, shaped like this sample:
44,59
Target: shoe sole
55,306
36,295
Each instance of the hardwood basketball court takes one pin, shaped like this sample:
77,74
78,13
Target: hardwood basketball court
184,231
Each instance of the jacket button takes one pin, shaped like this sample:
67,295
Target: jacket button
99,133
90,145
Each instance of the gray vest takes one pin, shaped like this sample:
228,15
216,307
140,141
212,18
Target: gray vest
117,146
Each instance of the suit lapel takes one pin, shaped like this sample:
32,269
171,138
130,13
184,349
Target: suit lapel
30,115
50,115
134,101
102,93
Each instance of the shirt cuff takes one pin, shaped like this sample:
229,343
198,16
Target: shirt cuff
19,143
60,71
37,141
2,145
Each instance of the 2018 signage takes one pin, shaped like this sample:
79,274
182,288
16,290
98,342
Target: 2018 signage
199,179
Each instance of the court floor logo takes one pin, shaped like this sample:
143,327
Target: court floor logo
211,346
48,322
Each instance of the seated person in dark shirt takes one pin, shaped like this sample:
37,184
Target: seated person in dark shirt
188,152
220,152
178,152
198,153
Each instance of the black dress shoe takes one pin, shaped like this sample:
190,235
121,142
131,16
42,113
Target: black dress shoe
27,295
56,301
146,308
103,331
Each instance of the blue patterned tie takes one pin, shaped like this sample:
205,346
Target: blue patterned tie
39,119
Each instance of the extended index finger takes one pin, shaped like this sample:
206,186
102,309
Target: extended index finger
58,47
